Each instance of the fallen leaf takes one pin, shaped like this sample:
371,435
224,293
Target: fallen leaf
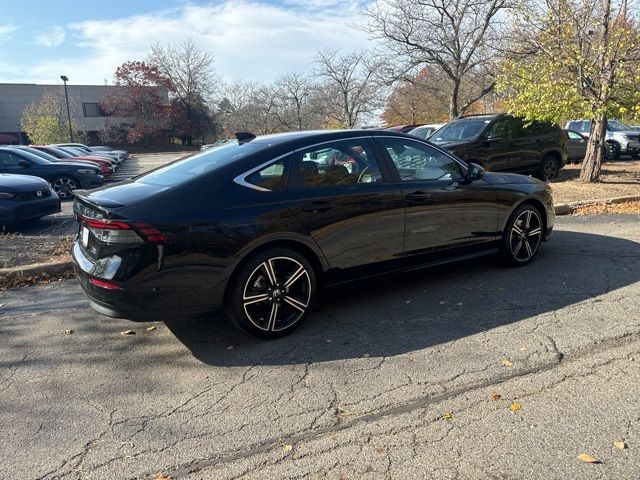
128,332
344,413
230,347
447,416
328,341
1,304
586,458
287,448
506,362
151,328
68,332
523,349
163,477
495,396
620,444
515,406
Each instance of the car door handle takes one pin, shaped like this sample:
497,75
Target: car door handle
316,207
418,196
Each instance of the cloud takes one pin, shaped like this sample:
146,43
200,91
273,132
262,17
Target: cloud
52,37
249,40
6,29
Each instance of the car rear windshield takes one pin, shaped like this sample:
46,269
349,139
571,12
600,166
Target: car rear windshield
460,130
200,163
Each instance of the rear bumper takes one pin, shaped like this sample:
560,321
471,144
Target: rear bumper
150,295
17,211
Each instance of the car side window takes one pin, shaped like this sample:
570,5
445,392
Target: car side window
272,177
502,129
8,160
344,162
574,136
416,161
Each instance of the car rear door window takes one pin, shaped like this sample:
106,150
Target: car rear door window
272,177
417,161
344,162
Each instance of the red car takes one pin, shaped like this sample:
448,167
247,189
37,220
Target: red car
106,166
403,128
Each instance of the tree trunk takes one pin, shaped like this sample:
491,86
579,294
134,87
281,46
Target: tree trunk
592,163
453,102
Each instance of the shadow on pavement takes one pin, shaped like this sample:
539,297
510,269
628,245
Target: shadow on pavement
402,313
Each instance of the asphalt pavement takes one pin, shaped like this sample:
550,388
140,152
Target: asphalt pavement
463,371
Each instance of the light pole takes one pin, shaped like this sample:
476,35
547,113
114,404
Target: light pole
65,79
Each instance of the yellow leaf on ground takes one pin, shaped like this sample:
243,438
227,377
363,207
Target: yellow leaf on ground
151,328
447,416
586,458
515,406
128,332
287,448
506,362
620,444
495,396
344,413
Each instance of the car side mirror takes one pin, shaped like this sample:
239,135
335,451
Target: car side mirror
23,164
474,172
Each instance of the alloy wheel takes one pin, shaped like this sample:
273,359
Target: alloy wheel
550,169
277,294
525,235
64,187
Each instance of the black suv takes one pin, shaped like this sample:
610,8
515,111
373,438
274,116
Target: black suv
501,142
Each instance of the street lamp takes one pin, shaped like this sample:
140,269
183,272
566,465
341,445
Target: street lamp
65,79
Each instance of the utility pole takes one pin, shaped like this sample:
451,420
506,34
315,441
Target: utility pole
65,79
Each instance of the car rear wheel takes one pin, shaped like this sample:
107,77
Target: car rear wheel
612,151
64,186
272,293
522,236
549,168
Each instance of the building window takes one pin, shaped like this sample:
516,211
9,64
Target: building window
93,110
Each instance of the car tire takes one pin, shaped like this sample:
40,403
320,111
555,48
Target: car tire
549,168
612,151
64,186
272,293
522,236
635,156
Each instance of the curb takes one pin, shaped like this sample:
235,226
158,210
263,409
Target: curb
51,269
568,208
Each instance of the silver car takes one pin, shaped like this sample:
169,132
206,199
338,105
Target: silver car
621,139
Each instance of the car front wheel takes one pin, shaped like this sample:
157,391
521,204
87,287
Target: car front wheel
522,236
272,293
64,187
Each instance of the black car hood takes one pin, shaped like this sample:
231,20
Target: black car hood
121,195
499,178
76,164
21,183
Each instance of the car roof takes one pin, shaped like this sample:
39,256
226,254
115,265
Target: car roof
306,136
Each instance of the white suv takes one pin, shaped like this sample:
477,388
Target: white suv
621,139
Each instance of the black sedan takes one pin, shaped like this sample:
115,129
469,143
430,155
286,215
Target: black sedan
23,197
257,225
64,177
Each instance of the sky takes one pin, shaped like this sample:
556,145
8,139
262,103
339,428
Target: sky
254,40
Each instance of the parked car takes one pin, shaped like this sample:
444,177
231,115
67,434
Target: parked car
76,152
257,225
120,155
504,143
66,156
105,148
23,197
577,146
621,139
64,177
106,167
425,131
403,128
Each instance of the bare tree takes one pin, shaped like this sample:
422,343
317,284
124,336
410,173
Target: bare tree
352,89
294,109
456,37
190,70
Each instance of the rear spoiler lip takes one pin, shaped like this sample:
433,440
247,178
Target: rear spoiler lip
107,208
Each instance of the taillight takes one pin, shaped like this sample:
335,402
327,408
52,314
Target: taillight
104,284
113,231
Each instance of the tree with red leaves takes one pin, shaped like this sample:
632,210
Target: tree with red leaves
141,97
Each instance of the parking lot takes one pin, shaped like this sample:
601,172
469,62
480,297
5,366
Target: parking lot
388,379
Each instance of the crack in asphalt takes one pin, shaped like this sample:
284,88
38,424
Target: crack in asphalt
262,447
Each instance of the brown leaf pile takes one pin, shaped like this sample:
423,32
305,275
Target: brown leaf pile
619,208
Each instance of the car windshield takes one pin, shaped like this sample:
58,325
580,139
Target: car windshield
616,126
202,162
74,151
40,154
460,130
61,152
422,132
